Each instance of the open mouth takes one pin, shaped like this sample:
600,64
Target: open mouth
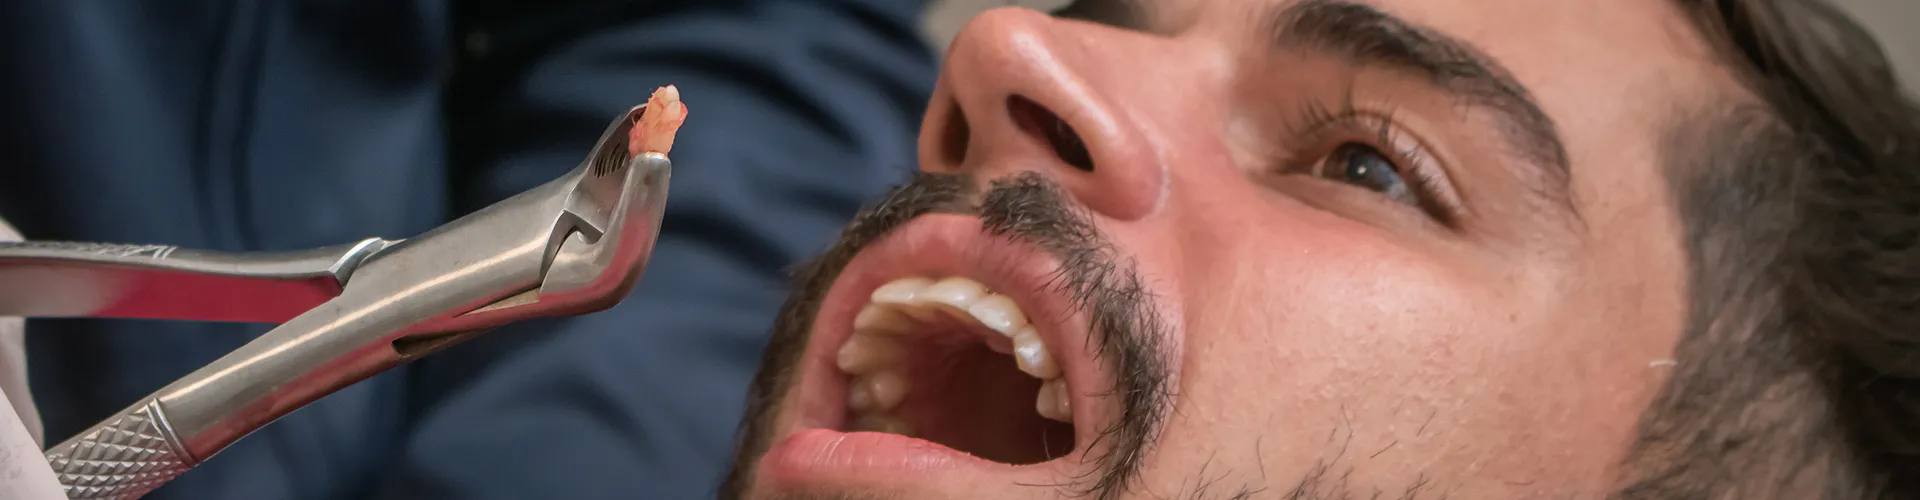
951,362
939,350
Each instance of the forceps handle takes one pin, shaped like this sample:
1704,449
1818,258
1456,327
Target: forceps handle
137,450
122,458
142,447
110,280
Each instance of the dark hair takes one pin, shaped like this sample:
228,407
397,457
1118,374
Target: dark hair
1798,374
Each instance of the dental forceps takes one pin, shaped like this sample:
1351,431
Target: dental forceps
575,245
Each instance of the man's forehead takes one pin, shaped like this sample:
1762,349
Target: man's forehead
1606,72
1630,55
1622,25
1545,44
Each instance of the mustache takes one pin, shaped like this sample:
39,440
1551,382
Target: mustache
1125,331
779,362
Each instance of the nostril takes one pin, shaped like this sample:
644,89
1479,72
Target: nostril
1037,120
953,140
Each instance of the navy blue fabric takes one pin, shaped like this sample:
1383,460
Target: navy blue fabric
247,125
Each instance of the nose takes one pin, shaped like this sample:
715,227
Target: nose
1022,91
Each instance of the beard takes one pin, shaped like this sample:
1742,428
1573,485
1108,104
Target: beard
1125,333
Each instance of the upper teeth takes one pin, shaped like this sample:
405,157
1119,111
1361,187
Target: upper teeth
873,354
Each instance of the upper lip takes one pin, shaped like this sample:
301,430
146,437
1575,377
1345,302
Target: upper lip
936,246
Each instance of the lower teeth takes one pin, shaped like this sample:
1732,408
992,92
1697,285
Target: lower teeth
882,423
877,392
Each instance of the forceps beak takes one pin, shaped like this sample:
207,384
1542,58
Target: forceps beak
615,211
608,221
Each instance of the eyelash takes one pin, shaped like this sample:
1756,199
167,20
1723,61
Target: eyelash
1318,131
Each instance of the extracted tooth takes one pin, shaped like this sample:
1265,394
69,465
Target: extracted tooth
955,293
879,391
1031,355
999,313
866,353
876,318
904,295
882,423
1053,402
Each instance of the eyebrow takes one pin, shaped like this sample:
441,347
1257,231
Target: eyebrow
1368,36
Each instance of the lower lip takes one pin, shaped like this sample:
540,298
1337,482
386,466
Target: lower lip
821,454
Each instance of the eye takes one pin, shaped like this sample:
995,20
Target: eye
1368,168
1368,150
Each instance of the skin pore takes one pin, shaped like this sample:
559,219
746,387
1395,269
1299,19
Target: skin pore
1323,249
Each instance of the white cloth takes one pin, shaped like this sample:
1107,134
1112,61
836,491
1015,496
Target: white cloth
24,474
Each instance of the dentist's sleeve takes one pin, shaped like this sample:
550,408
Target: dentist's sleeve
24,474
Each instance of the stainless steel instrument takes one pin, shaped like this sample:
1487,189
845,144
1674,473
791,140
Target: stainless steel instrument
575,245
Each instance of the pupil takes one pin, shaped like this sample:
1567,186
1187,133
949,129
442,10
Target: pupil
1363,166
1367,168
1357,171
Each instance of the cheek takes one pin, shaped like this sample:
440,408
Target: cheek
1333,315
1322,331
1326,337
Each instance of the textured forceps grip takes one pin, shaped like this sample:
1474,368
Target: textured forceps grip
121,458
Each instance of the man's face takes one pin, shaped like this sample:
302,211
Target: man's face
1288,249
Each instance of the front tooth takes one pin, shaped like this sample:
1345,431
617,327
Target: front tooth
878,318
1031,355
1053,402
867,353
904,295
900,291
955,293
882,423
999,313
879,391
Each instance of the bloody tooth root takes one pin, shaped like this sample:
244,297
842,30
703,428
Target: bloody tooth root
653,132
